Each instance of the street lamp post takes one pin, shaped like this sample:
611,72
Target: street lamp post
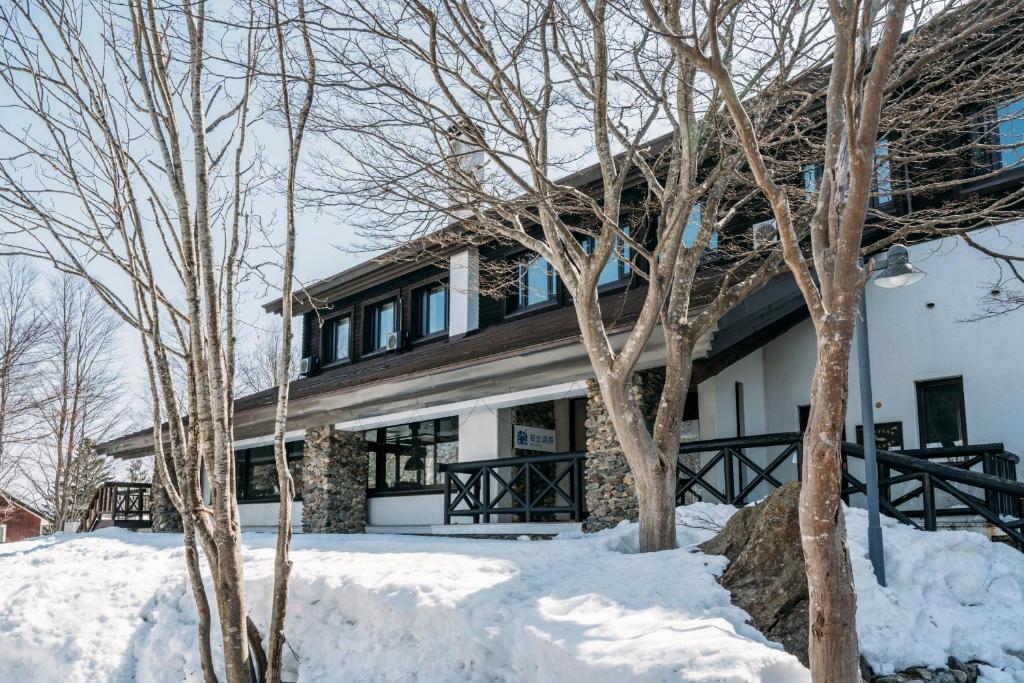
895,271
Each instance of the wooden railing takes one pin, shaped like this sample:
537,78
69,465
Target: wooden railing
974,481
118,503
544,488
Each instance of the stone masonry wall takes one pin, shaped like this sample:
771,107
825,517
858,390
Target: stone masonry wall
334,477
609,487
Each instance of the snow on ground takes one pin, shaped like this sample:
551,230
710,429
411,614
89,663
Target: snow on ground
115,606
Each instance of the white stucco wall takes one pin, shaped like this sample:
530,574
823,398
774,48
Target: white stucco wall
263,516
909,342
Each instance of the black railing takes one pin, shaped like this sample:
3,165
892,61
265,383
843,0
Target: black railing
918,487
729,475
117,503
544,488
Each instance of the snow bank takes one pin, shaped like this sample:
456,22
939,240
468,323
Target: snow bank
115,606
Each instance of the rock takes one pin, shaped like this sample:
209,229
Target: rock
766,575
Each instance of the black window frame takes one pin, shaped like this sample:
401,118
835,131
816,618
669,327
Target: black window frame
327,339
621,257
371,323
378,450
421,309
920,389
876,200
243,472
513,302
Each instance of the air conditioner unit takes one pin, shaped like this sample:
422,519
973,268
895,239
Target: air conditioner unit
765,232
308,366
391,341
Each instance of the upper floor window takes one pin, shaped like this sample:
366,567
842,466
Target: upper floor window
692,230
537,283
431,310
1010,119
381,323
765,232
811,177
337,339
882,185
619,264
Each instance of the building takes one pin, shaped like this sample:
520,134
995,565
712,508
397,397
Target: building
19,520
428,406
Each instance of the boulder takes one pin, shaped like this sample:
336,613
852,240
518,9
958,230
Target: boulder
766,575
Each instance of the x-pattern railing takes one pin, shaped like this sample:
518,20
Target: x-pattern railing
117,502
528,489
908,481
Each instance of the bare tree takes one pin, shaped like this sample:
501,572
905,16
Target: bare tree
128,166
257,367
462,120
78,394
920,95
20,336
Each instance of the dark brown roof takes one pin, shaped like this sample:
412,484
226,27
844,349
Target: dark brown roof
513,336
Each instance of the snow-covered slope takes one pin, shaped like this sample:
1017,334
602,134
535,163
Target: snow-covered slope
115,606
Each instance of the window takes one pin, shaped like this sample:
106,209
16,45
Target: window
337,339
536,284
1010,119
692,230
619,265
765,232
811,175
431,310
803,416
941,418
883,174
256,472
3,533
405,457
381,321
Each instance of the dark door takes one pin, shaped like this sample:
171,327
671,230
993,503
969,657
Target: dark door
941,418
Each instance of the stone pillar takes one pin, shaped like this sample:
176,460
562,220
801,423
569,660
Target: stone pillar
163,515
334,476
609,486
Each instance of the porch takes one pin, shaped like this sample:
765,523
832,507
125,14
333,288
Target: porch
964,486
121,504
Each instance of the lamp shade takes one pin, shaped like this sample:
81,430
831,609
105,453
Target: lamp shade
898,271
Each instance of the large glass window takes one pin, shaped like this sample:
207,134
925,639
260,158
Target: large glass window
942,420
811,176
431,310
256,472
337,339
1011,133
536,283
381,321
405,457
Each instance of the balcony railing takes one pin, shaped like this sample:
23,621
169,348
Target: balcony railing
918,487
116,503
544,488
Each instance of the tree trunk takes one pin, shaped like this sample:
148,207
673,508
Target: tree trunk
656,494
832,644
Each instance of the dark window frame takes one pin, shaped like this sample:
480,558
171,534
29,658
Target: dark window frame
378,450
243,467
326,344
920,389
420,304
369,310
621,258
513,308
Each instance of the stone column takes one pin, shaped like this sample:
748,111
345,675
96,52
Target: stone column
609,486
163,515
334,476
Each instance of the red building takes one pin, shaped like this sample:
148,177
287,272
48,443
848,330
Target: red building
19,520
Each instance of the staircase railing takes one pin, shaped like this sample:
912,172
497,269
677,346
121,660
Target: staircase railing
120,503
543,488
912,484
